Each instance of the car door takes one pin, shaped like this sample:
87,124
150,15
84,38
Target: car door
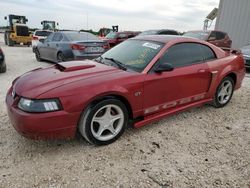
55,45
189,80
44,47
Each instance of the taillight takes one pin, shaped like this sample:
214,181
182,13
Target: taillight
34,38
106,46
77,47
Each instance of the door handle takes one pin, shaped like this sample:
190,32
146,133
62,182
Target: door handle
201,71
47,44
56,45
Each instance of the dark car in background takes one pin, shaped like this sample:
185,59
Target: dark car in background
160,32
218,38
70,45
2,62
114,38
246,54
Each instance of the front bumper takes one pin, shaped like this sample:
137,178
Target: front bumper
42,126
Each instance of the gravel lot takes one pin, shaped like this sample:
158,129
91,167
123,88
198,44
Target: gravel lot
202,147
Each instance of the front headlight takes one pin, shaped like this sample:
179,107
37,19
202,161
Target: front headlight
39,105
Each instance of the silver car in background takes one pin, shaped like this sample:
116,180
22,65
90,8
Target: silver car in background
246,54
70,45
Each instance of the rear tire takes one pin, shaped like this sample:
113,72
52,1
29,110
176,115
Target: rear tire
9,41
5,39
104,122
3,68
224,92
60,57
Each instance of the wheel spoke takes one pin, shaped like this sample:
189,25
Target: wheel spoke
98,119
116,117
111,129
107,111
100,130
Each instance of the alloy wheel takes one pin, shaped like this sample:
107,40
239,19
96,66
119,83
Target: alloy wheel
107,122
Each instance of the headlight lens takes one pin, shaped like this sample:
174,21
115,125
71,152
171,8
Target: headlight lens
40,105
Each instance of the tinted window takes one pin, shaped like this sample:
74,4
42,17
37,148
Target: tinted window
168,32
208,53
135,54
81,36
220,35
43,33
57,37
183,54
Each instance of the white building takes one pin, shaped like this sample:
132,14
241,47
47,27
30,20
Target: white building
234,18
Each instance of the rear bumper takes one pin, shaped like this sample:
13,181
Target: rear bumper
42,126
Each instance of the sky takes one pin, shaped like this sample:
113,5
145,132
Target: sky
136,15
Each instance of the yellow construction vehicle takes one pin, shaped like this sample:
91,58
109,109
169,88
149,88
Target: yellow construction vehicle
18,31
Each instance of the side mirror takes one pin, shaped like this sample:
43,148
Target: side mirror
41,40
166,67
57,24
41,23
5,17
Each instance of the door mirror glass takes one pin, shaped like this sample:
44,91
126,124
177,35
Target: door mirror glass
165,67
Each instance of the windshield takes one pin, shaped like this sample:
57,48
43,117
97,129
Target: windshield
81,36
203,35
49,25
150,32
111,35
134,54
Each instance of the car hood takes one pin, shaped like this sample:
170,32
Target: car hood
39,81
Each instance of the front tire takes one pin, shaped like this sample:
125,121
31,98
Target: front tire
38,55
104,122
224,92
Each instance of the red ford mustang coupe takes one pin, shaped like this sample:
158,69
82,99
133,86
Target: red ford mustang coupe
141,80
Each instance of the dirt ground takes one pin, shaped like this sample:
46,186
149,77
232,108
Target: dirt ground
202,147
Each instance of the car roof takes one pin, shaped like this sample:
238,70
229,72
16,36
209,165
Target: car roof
166,38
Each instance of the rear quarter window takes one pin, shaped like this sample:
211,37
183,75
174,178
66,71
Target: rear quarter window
208,53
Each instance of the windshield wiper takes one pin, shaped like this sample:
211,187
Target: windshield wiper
118,63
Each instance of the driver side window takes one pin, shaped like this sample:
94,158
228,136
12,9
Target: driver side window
182,54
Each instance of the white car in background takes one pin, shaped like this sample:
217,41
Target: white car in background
39,34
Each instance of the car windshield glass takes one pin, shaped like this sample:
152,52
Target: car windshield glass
199,35
111,35
43,33
150,32
134,54
81,36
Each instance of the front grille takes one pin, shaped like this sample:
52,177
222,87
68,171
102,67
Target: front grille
22,31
